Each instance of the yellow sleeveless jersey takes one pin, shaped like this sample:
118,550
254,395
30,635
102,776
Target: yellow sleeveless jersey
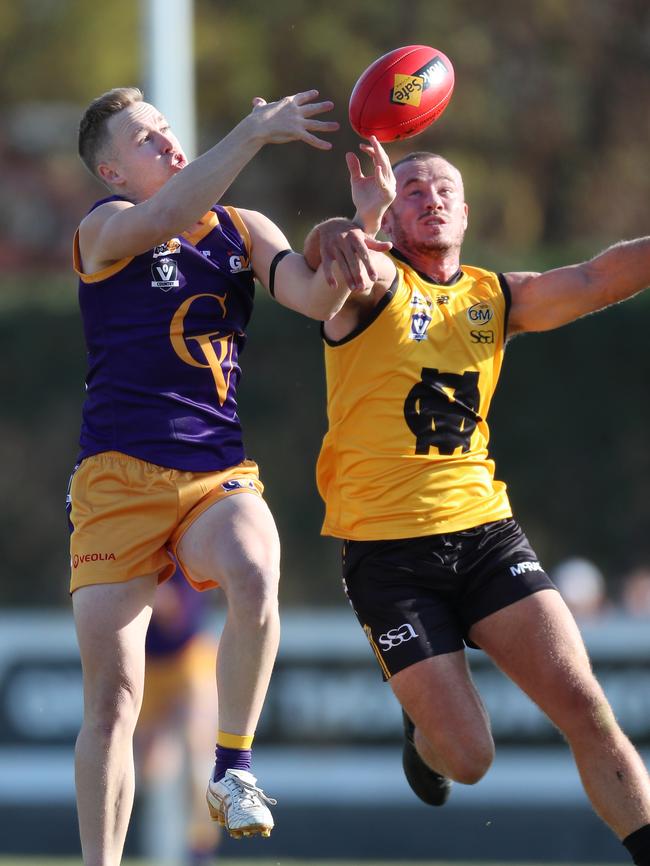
406,453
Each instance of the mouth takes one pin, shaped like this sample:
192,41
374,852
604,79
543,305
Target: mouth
178,160
432,221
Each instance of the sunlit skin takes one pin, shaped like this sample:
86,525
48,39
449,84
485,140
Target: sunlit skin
143,152
428,218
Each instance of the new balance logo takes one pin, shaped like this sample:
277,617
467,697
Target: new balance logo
522,567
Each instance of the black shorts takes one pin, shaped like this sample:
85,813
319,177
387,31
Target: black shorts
418,597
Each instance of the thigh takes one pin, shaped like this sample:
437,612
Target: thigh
234,537
111,622
401,602
440,697
538,645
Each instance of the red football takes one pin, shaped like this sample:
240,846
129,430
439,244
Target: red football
401,93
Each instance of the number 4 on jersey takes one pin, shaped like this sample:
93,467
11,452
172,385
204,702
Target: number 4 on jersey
442,410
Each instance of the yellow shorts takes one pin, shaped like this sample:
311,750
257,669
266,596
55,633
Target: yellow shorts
128,516
171,678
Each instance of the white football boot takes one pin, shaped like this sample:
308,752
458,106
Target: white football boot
236,802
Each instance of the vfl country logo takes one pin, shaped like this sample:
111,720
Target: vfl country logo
167,249
480,314
216,349
420,318
164,275
420,322
408,89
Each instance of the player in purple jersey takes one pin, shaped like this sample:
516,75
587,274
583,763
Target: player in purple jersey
166,290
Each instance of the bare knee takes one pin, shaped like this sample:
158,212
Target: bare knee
252,592
461,759
112,706
586,715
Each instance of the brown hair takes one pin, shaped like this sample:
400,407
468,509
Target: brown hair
92,128
417,156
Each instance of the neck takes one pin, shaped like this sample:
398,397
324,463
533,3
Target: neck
438,266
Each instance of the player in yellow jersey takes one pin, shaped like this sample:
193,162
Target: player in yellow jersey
432,557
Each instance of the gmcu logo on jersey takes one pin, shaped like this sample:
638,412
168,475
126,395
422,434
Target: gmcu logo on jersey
165,275
480,314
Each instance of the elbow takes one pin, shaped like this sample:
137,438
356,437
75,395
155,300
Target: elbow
328,314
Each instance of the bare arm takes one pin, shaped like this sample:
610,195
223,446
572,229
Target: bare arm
296,285
347,244
544,301
120,229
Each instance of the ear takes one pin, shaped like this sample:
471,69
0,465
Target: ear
466,218
110,174
386,223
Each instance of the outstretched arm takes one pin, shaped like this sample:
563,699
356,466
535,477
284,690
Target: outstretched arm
544,301
120,229
295,284
347,244
372,194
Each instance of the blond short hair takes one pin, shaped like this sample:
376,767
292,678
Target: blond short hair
93,132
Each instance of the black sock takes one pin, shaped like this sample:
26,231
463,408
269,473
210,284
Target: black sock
638,844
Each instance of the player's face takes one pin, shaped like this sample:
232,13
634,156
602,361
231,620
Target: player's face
429,214
143,152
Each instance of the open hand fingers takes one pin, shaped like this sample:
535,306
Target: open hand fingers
354,166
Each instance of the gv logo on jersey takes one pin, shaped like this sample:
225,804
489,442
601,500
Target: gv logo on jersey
397,636
480,314
165,275
167,249
239,263
214,348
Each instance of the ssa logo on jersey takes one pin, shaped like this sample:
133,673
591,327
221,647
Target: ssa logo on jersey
397,636
480,314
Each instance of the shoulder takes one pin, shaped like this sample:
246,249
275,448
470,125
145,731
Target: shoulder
91,228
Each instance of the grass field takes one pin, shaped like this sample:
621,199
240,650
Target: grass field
53,861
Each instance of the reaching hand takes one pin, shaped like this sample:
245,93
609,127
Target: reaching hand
372,194
344,244
292,119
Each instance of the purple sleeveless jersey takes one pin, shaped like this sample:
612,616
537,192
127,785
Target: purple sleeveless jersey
163,334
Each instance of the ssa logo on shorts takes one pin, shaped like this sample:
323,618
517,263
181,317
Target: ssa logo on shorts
396,636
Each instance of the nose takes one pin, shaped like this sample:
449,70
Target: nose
434,201
166,142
